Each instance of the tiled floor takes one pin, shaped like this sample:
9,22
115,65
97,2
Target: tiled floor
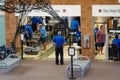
66,56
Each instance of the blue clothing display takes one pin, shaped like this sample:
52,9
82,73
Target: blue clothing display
59,40
28,28
74,25
116,41
43,32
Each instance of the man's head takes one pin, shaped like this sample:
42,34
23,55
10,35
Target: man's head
116,36
30,22
40,25
59,32
101,27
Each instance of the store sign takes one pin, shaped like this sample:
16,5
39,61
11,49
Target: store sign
114,31
61,10
106,10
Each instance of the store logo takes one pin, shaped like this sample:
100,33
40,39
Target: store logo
64,10
99,10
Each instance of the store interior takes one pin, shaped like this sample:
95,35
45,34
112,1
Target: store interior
111,28
52,26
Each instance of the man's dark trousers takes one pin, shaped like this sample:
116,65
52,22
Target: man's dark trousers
59,51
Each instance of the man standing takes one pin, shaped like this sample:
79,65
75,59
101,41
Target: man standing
43,35
96,29
28,32
74,25
116,41
34,23
59,42
78,37
100,39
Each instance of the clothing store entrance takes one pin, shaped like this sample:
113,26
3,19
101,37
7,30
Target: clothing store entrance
108,17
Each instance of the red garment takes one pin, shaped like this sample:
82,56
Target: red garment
100,36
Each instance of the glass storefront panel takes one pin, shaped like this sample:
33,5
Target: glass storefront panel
2,31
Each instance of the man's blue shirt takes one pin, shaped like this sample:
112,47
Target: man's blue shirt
78,34
34,20
28,28
43,32
74,25
116,41
40,20
59,40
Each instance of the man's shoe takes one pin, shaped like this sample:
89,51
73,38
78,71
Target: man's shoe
62,63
